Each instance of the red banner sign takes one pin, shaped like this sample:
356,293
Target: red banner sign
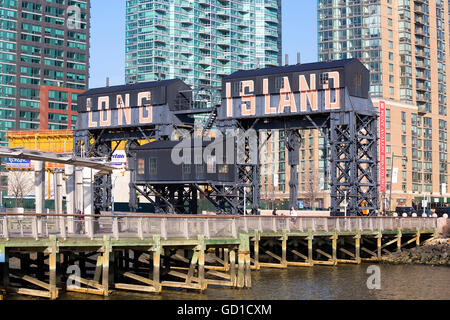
382,147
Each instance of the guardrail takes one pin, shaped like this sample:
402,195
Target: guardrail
65,226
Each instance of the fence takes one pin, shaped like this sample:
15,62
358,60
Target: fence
38,226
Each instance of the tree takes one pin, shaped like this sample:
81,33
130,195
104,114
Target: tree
20,185
312,188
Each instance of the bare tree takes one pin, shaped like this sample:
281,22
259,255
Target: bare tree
20,185
312,188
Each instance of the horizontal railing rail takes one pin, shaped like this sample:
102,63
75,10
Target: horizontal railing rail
38,226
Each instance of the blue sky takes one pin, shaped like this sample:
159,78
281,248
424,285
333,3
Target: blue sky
108,37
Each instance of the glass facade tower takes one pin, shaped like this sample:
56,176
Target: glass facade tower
200,41
406,46
42,43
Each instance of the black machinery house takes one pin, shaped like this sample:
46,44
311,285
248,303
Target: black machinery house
170,173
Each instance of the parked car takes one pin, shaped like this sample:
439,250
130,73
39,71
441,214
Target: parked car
408,210
440,211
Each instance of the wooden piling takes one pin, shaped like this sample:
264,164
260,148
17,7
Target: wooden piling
418,239
256,250
226,259
156,263
310,250
233,267
379,245
358,247
399,240
241,266
334,239
105,271
201,263
52,270
6,270
284,240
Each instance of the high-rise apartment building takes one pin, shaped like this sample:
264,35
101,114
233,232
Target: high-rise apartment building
43,44
406,46
200,41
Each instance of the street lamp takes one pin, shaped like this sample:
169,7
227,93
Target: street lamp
392,168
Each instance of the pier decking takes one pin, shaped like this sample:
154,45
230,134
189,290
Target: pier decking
41,255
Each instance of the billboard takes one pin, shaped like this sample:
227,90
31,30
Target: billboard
382,146
12,163
119,159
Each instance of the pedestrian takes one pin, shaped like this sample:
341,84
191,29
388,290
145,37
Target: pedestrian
293,214
274,212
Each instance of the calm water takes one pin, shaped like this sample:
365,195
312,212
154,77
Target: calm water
332,283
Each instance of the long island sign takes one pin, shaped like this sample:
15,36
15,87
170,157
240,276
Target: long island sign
292,90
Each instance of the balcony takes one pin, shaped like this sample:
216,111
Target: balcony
421,98
224,41
421,110
271,4
186,5
224,27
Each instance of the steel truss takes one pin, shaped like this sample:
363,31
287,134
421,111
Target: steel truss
170,199
353,141
102,144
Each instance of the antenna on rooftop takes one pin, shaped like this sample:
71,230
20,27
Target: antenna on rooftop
286,59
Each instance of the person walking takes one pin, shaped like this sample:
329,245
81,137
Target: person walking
274,212
293,214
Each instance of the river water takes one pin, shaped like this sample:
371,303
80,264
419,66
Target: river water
344,282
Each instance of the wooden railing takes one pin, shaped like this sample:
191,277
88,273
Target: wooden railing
65,226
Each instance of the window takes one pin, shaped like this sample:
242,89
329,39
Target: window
211,164
141,167
186,168
223,168
153,166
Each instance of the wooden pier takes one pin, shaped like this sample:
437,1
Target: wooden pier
43,255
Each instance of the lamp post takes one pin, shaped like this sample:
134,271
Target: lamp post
392,168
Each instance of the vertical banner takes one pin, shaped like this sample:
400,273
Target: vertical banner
394,175
382,147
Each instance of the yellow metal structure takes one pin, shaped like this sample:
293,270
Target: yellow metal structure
59,141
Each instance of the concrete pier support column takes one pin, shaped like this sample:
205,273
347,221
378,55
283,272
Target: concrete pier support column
79,189
39,185
70,196
57,183
88,205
